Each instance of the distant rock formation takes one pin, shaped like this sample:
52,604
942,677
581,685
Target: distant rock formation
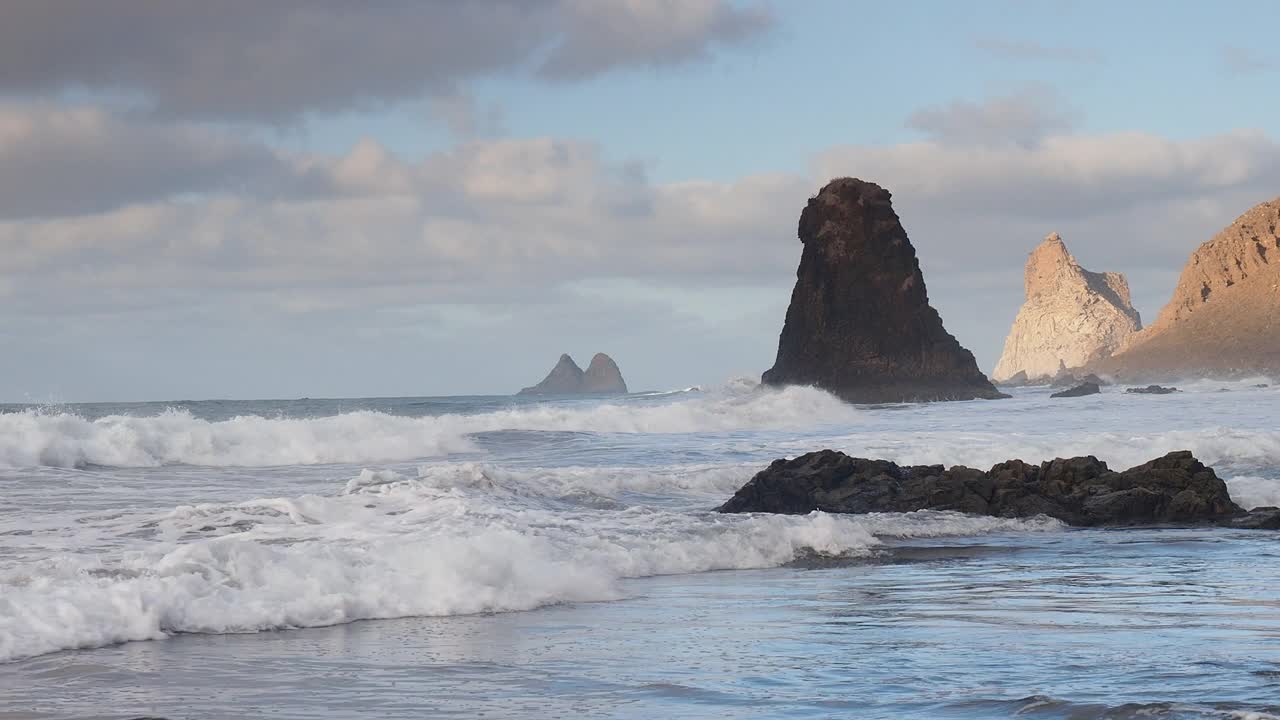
859,324
566,378
603,376
1175,488
1224,318
1071,317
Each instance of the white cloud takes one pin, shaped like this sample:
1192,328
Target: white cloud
309,246
1022,118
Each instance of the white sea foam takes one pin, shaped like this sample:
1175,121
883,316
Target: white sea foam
1121,450
58,439
1030,427
1251,492
455,539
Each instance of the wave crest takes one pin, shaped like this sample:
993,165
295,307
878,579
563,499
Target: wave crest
36,438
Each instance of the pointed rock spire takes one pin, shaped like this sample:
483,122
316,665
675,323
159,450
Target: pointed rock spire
1071,316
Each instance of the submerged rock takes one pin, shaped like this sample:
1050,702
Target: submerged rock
1083,491
1071,316
1259,518
566,378
1151,390
1069,379
1080,390
859,324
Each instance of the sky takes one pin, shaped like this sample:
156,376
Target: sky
331,199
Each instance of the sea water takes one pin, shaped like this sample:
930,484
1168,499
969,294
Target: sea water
561,557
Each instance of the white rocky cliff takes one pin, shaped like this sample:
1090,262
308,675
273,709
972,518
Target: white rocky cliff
1071,316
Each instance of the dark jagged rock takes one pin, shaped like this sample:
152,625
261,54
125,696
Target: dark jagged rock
603,376
1080,390
1151,390
859,324
1175,488
566,378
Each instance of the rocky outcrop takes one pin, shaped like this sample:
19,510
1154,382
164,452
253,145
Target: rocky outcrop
1224,318
859,324
1151,390
1175,488
1071,317
1078,391
603,376
566,378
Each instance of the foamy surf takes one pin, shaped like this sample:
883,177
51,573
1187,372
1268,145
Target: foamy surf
36,437
454,539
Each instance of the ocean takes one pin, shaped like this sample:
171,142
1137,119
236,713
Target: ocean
514,557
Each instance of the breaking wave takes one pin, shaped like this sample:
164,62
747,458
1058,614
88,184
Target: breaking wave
454,539
36,437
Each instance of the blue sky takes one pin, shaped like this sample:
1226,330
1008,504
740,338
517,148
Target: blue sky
384,199
834,72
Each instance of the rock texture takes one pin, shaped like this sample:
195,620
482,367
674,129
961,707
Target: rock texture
566,378
859,324
1152,390
1071,317
603,376
1078,391
1175,488
1224,318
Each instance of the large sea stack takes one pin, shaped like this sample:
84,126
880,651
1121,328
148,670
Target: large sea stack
566,378
1071,317
1224,318
859,324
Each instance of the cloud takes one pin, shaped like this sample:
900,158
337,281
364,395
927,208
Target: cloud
276,61
1022,118
1243,61
466,118
648,32
1066,175
1032,51
68,161
503,220
487,221
505,235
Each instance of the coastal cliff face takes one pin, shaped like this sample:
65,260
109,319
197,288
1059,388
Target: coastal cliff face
1071,316
566,378
1224,317
859,324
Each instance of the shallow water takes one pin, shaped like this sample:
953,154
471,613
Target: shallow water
515,558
